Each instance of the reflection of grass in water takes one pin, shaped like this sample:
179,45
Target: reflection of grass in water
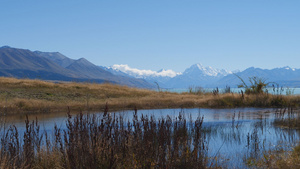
141,143
257,147
282,156
251,144
92,141
288,118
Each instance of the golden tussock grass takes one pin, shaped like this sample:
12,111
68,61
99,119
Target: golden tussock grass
36,96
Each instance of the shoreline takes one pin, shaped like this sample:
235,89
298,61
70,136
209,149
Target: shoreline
24,96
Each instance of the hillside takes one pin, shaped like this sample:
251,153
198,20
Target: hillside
56,57
285,76
23,63
198,75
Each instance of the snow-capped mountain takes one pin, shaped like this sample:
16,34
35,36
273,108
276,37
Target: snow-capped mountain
196,75
199,69
289,68
284,76
20,63
199,75
143,73
161,77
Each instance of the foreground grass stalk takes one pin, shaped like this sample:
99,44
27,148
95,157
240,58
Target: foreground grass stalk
107,141
287,118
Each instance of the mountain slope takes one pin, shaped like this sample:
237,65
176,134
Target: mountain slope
86,69
201,71
22,63
197,75
284,76
56,57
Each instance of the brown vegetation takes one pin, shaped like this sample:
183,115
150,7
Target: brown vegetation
282,157
35,96
91,141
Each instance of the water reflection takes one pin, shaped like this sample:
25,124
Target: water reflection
233,135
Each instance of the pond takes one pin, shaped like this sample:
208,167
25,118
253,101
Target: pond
274,91
232,135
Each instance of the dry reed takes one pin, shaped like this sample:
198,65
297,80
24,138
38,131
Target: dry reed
35,96
107,141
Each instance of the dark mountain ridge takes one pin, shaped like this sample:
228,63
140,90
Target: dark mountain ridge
56,57
23,63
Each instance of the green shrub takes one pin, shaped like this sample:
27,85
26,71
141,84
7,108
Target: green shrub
257,85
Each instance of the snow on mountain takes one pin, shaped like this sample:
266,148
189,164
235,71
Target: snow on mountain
283,76
200,70
288,68
199,75
194,75
143,73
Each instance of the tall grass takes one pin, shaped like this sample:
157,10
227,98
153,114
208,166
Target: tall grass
287,118
107,141
33,96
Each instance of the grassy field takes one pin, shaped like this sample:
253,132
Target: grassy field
115,149
35,96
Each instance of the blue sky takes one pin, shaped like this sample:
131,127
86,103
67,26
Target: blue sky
155,34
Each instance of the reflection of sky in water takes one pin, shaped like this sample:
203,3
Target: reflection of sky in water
276,91
228,129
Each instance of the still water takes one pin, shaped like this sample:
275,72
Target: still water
232,135
275,91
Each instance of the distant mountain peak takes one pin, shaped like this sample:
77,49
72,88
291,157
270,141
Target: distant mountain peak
161,70
206,71
56,57
236,71
37,51
288,68
3,47
22,63
84,61
197,66
143,73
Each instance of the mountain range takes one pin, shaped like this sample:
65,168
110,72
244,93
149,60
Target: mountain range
23,63
284,76
198,75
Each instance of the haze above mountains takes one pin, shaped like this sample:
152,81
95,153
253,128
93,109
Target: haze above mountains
23,63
